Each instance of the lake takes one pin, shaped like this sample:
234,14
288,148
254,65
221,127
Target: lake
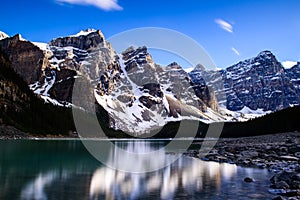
64,169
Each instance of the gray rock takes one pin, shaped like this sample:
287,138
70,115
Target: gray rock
297,169
295,184
296,177
297,154
279,198
248,180
282,185
282,176
249,154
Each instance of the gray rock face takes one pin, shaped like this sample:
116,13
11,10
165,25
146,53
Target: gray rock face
256,83
27,59
84,42
86,55
51,69
294,75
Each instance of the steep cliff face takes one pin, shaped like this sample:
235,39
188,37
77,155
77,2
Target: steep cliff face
257,83
27,59
20,108
14,94
294,74
86,40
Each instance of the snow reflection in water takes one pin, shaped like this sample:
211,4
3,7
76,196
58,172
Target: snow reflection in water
186,173
36,188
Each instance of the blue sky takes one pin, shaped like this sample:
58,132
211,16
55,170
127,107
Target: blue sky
229,31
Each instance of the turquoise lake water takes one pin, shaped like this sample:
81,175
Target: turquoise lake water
64,169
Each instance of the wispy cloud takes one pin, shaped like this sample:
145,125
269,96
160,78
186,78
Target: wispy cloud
224,25
102,4
235,51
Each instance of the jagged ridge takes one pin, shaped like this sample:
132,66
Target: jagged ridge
259,83
138,94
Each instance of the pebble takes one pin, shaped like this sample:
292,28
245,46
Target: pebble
279,198
248,180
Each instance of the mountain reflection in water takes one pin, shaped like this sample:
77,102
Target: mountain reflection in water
114,183
65,170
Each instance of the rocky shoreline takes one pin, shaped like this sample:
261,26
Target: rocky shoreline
279,153
11,133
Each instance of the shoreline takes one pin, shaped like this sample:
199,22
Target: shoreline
278,153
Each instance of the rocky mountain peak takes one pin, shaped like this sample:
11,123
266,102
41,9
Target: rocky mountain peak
11,41
266,53
84,40
265,63
173,64
260,82
199,67
26,58
135,58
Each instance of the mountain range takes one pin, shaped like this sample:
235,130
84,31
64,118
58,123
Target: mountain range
140,95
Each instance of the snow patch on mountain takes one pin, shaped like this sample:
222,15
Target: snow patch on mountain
288,64
43,89
42,46
84,32
253,113
3,35
189,69
48,99
242,115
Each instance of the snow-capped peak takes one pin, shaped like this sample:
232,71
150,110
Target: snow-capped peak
3,35
265,53
84,32
288,64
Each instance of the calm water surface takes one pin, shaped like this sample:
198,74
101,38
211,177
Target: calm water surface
62,169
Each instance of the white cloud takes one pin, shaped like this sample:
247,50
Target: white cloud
224,25
102,4
235,51
288,64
